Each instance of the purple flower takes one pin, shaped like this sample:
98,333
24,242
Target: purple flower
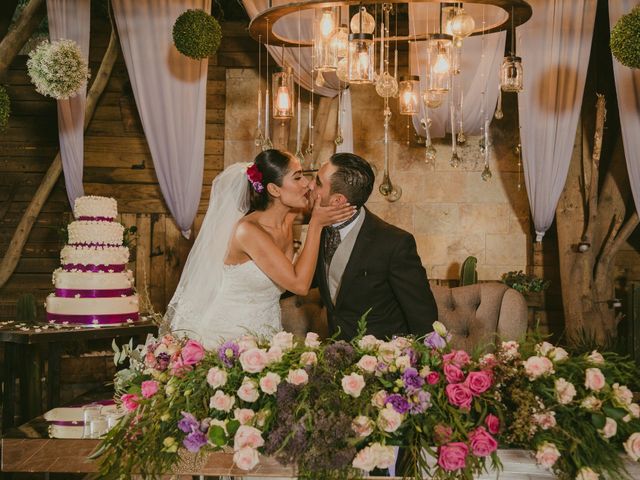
195,441
413,355
420,402
412,380
228,352
434,340
163,360
398,402
188,423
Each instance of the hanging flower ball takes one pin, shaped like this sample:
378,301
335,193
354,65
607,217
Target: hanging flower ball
57,69
5,108
197,34
625,39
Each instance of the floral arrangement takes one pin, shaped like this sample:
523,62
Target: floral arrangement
197,34
625,39
255,178
520,281
57,69
5,108
338,409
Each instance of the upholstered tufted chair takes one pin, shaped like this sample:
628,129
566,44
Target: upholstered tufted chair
475,314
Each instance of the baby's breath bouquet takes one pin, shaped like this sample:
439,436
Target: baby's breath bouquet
58,69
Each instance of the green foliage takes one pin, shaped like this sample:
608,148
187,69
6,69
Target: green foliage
524,283
468,273
26,310
5,108
129,236
625,39
197,34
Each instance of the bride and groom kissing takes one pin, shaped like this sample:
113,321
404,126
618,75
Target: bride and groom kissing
243,258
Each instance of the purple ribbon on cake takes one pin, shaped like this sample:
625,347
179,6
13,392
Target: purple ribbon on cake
92,319
95,219
69,267
72,293
93,244
68,423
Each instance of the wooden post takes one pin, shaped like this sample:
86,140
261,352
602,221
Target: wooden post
15,39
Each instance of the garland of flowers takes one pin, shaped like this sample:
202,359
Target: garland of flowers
625,39
197,34
5,108
57,69
336,410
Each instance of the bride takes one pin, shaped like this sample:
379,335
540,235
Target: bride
242,259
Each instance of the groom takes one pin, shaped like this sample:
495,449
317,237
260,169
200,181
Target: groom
366,263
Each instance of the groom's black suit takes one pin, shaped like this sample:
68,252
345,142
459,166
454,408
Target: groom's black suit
384,273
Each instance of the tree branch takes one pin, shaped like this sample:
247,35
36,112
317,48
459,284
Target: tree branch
10,260
15,39
601,113
7,8
614,242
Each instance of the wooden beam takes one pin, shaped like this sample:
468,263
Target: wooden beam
24,27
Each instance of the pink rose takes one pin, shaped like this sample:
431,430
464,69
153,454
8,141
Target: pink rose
129,401
150,360
610,428
221,401
312,340
453,456
596,357
283,340
368,363
432,378
459,358
632,446
442,433
586,473
247,342
379,399
479,382
254,360
243,415
369,343
482,443
459,395
547,455
565,391
452,373
192,352
298,376
274,355
594,379
248,391
269,383
246,458
493,423
489,360
389,420
353,384
362,425
179,368
247,436
537,366
365,460
149,388
308,358
216,377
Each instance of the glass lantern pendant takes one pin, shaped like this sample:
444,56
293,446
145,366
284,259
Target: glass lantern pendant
340,41
462,24
511,74
361,58
439,47
325,26
362,22
283,93
409,94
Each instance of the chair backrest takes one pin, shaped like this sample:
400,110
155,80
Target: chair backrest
476,315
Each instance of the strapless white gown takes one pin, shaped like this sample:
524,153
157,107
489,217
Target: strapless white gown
248,302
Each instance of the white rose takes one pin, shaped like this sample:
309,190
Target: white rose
544,348
622,394
389,420
536,367
369,343
632,446
565,391
308,358
269,383
510,350
297,377
634,410
216,377
364,460
545,420
254,360
353,384
368,363
596,357
385,455
558,354
401,343
591,403
312,340
362,425
247,436
246,458
610,428
594,379
379,399
221,401
244,415
247,342
387,352
282,340
586,473
403,362
248,391
547,455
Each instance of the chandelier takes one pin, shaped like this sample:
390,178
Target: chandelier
357,51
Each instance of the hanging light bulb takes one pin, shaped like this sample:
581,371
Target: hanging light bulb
340,41
325,22
462,24
282,84
439,46
362,22
361,58
408,98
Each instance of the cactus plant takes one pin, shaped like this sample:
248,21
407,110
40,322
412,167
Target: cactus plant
468,273
26,310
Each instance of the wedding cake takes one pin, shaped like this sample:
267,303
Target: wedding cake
93,286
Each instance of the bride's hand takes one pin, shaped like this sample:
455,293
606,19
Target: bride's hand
330,215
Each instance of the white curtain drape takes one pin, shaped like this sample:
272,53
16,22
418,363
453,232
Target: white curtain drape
628,93
170,91
70,19
478,78
554,45
301,26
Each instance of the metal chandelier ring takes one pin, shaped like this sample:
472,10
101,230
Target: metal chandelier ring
261,27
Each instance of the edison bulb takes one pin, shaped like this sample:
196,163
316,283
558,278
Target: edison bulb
368,22
462,24
442,64
326,23
283,99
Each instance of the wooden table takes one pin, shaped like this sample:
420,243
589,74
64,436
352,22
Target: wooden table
22,357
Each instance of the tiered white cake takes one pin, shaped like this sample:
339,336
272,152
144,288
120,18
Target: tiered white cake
93,286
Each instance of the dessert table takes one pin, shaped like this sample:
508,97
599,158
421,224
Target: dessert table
23,347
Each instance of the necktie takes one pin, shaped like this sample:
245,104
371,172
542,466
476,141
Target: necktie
332,238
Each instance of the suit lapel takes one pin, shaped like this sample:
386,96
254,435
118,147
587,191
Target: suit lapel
358,255
321,269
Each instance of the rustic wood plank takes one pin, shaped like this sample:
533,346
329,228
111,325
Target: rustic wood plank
129,220
173,258
143,250
158,261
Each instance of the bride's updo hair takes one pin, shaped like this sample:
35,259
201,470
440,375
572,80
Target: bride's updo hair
272,165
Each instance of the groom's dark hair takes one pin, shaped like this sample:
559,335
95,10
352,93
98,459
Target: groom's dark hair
353,177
